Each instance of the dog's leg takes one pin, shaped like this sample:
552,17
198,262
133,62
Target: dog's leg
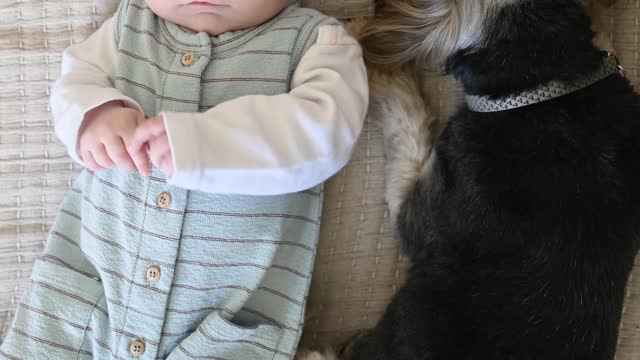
397,105
419,324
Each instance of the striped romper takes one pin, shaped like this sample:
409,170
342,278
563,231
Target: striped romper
137,268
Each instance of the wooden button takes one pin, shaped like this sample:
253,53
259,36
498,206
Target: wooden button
188,58
136,348
153,273
163,200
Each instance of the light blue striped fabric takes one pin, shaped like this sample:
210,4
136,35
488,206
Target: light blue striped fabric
234,270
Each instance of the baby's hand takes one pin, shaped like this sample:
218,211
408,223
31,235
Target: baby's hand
153,134
106,132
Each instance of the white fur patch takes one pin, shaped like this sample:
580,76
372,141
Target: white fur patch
315,355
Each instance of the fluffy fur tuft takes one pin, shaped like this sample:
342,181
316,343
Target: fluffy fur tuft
407,128
317,355
408,30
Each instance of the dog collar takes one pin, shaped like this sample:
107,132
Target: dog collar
548,91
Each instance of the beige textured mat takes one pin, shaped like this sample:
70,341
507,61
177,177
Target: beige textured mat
358,265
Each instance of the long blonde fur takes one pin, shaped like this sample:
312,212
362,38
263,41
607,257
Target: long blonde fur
397,106
403,31
407,126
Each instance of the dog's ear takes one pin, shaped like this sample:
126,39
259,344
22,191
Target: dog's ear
403,31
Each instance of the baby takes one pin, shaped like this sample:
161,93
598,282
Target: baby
207,128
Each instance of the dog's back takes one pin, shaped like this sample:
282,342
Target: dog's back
542,223
524,227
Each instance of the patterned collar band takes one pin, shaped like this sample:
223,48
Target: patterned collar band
548,91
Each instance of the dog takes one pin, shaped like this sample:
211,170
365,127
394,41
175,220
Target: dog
521,219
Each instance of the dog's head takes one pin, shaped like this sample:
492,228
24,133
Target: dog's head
410,30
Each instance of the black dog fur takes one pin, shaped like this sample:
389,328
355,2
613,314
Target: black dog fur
524,232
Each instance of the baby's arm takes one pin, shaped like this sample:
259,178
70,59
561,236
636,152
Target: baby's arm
86,84
264,145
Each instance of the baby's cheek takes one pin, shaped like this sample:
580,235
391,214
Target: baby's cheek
163,8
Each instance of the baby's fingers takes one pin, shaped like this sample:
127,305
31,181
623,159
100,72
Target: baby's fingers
90,162
137,148
160,154
140,159
101,157
166,165
148,130
120,156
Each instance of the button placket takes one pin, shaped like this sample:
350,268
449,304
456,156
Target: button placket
161,226
159,243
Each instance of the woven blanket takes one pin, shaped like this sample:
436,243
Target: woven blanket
359,265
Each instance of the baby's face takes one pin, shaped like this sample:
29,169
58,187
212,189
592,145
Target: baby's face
217,16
